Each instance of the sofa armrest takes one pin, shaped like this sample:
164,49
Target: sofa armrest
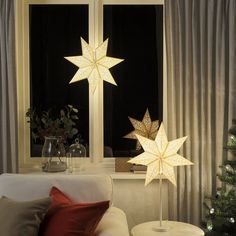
113,223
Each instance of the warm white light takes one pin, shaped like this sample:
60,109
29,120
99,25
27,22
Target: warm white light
146,128
160,156
94,64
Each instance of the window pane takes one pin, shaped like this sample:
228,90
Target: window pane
55,32
135,33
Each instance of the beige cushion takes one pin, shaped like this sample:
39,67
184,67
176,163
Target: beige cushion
79,188
22,218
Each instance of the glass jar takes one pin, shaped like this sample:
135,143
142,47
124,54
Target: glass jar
53,153
77,152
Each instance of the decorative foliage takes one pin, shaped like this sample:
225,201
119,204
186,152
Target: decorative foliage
53,123
146,128
94,64
160,156
232,142
229,176
221,208
221,214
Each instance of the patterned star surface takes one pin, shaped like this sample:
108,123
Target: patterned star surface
94,64
146,128
160,156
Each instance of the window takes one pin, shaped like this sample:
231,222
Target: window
101,123
135,33
54,32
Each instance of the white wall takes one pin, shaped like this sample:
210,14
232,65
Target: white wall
140,203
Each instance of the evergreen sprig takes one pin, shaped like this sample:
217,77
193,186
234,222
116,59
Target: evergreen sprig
221,214
53,123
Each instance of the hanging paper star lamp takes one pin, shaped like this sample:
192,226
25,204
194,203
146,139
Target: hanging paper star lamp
146,128
94,64
160,156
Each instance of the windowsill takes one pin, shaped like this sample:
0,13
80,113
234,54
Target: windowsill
105,167
114,175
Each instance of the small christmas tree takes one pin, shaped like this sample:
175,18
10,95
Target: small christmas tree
221,216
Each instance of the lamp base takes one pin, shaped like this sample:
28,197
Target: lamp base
161,228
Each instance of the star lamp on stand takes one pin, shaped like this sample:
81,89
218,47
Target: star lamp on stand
160,156
94,65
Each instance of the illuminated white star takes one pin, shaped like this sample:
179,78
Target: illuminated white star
160,156
146,128
94,64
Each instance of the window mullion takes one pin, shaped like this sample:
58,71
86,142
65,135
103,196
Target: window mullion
96,98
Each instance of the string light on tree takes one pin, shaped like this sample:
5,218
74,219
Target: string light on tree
212,211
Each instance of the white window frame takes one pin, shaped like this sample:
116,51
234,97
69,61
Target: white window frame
96,126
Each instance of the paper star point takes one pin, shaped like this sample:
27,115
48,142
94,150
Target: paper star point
160,156
94,64
146,128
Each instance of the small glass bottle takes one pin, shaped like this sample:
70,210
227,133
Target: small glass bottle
77,152
69,162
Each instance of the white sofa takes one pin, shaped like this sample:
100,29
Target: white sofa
80,188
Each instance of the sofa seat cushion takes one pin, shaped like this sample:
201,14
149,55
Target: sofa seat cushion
21,218
67,218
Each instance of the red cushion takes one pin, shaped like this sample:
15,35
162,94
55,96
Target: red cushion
59,197
66,218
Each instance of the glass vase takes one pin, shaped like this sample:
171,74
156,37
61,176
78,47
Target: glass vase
77,152
53,153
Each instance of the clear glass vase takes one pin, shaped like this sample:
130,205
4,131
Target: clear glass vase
53,153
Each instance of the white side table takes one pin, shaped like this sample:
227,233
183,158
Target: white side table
175,229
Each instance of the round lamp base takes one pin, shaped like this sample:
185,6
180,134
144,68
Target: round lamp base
161,228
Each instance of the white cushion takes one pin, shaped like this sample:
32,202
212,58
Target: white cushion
80,188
